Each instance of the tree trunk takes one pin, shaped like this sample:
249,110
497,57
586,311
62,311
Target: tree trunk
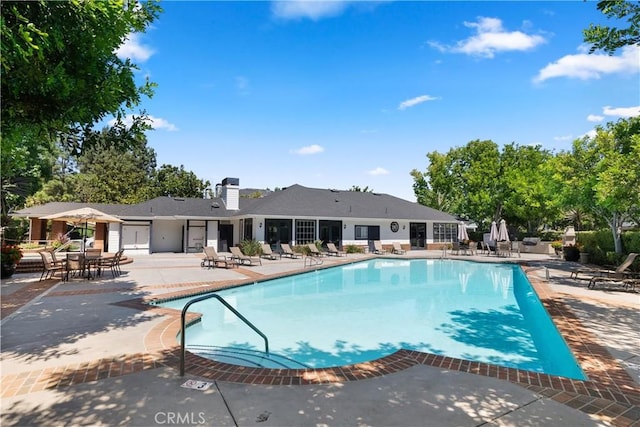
615,223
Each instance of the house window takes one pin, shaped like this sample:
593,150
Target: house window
445,232
246,225
305,231
362,232
367,232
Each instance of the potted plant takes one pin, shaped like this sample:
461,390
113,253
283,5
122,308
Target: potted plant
557,246
10,256
571,252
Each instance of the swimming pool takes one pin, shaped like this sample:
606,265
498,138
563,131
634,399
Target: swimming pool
370,309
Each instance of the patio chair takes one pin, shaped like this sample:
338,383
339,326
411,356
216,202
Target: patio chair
51,267
288,252
241,258
378,249
485,248
455,247
267,252
93,251
333,250
503,249
397,249
212,260
75,265
618,272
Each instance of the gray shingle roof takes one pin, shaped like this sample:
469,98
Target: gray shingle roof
293,201
299,201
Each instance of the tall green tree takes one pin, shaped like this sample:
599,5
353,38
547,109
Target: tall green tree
601,175
528,200
479,182
59,61
610,39
177,182
60,71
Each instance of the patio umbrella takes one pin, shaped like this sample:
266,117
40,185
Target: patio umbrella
493,233
462,232
83,216
503,234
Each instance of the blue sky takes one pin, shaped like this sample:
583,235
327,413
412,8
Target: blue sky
335,94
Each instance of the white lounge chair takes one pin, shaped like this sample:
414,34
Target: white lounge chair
333,250
397,249
378,249
268,253
241,258
288,252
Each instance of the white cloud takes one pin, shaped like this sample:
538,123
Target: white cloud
490,39
159,123
415,101
621,111
587,66
133,49
310,9
594,118
310,149
378,171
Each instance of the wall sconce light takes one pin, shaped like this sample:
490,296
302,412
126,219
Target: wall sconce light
404,226
260,225
345,226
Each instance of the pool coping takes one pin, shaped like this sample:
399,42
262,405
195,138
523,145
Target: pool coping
609,390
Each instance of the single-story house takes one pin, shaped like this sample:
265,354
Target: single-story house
295,215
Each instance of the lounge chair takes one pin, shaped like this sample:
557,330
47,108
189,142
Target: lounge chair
332,250
240,258
619,283
211,259
268,253
288,252
617,273
378,249
397,249
313,250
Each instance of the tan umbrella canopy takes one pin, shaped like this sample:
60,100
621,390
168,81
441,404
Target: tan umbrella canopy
82,215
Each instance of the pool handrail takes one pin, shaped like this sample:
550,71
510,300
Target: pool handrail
227,305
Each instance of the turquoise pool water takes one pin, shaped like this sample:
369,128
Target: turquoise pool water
367,310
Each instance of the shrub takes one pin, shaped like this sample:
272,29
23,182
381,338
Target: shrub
61,240
354,249
251,247
11,254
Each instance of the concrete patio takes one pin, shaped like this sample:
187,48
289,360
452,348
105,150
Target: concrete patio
84,353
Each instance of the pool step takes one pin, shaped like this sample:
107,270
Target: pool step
245,357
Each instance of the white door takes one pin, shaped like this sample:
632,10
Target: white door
135,238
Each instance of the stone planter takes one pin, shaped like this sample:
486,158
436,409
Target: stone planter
584,257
